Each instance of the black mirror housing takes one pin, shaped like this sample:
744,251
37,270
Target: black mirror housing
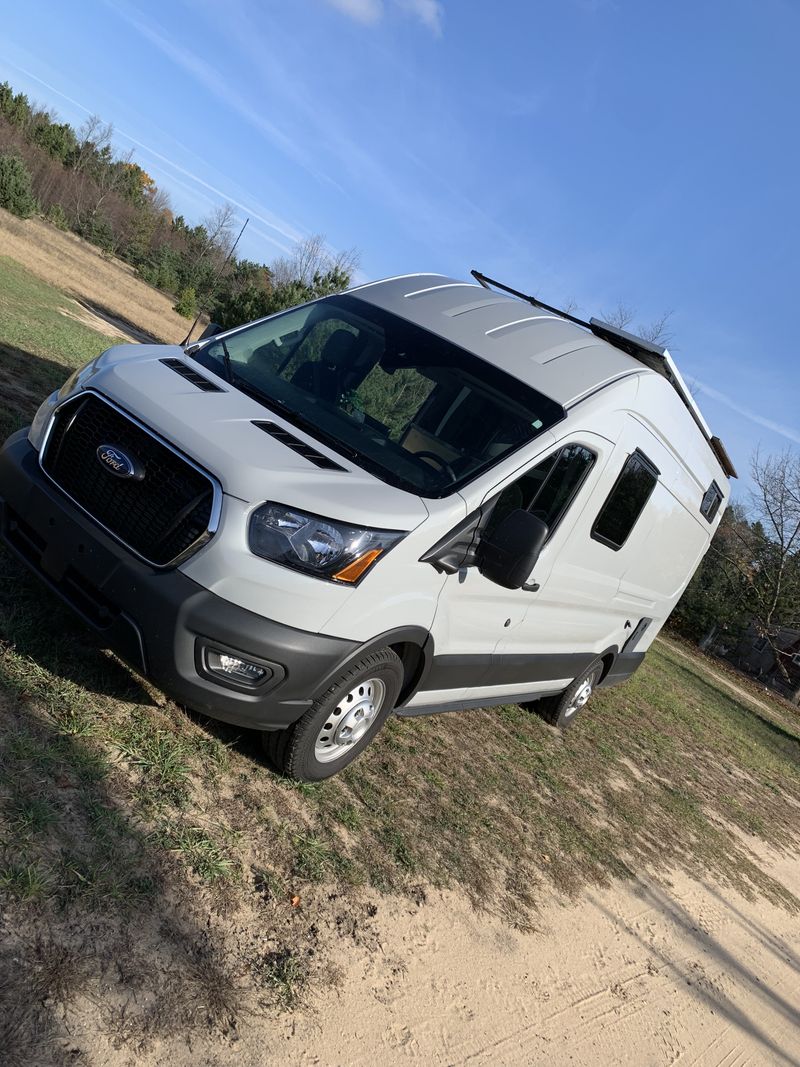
211,330
509,554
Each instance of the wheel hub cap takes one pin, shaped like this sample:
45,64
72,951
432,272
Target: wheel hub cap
350,720
579,699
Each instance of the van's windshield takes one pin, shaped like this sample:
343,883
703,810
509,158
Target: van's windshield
417,411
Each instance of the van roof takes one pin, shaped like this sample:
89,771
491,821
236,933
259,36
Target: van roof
571,362
503,331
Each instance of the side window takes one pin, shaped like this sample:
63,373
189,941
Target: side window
710,503
625,502
546,490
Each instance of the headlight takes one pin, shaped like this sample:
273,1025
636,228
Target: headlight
322,547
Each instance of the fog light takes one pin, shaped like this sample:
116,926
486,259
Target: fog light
233,667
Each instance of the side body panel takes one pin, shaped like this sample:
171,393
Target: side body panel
590,598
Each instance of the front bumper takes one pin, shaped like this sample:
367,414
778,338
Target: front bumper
159,621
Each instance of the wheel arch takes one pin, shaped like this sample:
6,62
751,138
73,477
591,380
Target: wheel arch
608,657
412,644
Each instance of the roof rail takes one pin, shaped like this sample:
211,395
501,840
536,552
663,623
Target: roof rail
651,355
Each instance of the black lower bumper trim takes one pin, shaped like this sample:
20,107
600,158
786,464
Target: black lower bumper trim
622,668
155,619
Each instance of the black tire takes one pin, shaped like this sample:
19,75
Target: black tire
293,752
562,709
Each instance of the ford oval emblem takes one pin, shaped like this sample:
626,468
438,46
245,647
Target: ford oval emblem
120,463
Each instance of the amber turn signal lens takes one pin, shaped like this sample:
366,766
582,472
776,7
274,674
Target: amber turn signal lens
353,571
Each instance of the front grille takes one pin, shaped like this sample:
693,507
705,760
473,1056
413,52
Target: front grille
160,516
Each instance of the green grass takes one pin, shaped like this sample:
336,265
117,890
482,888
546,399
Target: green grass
39,345
160,754
198,850
165,851
24,881
31,319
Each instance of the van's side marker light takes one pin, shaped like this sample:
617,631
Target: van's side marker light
353,571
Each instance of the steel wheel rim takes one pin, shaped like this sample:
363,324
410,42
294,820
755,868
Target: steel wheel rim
580,698
350,721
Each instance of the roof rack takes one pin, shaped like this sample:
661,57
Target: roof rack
651,355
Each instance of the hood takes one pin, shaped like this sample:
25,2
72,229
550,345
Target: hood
216,430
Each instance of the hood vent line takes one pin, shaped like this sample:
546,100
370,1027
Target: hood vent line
300,447
191,375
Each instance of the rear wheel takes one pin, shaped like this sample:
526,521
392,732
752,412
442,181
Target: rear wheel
562,709
340,724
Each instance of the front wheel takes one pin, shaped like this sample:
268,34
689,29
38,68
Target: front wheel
562,709
341,723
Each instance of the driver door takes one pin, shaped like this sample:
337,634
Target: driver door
479,624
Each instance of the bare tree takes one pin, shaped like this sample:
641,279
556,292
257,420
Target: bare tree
94,138
621,316
309,259
656,332
767,559
219,226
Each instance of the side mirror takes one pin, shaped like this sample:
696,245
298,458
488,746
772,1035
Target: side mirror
211,330
509,554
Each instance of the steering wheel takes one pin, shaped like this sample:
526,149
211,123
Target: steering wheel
442,463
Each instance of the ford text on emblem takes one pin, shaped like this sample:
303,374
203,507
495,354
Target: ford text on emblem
120,463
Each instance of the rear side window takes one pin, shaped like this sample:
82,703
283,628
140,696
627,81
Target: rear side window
625,502
711,502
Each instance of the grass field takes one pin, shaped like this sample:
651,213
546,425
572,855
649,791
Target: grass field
81,271
158,879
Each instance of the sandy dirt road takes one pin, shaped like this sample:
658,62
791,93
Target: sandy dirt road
639,974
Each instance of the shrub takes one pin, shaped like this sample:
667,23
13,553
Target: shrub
57,217
16,193
100,233
186,304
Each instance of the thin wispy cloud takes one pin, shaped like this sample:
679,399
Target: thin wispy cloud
370,12
284,229
367,11
429,12
425,199
752,416
200,69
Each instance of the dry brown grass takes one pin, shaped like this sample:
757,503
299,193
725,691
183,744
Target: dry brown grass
86,274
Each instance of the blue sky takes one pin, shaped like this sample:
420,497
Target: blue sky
593,151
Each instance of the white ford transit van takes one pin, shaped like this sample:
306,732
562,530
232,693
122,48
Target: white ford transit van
422,495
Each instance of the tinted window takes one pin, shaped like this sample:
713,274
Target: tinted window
625,502
711,502
416,410
547,489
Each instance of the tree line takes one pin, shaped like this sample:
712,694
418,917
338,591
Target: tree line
79,182
750,577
